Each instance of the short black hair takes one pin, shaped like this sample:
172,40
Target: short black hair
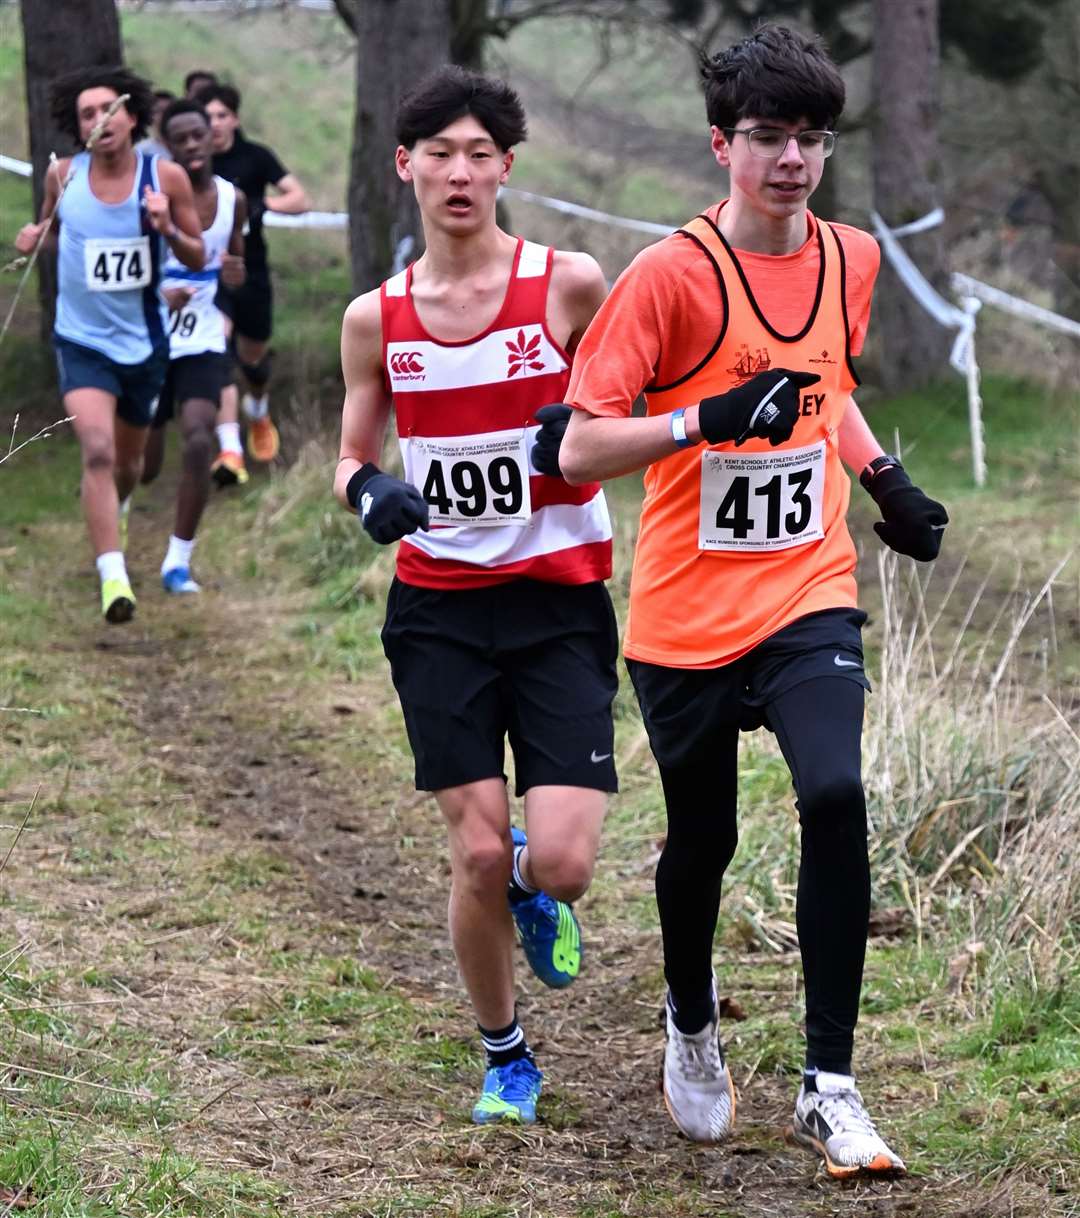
182,105
163,95
65,90
199,74
226,94
450,93
774,73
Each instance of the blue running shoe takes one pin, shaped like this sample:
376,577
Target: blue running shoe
549,932
510,1094
179,580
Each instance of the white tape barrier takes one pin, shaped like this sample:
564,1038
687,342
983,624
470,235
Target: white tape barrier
952,317
23,168
964,285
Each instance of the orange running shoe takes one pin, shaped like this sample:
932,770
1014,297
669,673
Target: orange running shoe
263,442
229,469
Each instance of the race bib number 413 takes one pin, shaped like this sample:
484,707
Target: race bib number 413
117,264
477,480
761,501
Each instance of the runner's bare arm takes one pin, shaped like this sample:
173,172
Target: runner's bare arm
858,445
595,448
27,236
172,213
233,272
291,199
367,400
578,289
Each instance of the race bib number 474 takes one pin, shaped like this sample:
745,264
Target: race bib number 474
477,480
761,501
117,264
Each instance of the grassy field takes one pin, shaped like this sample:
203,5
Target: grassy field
225,981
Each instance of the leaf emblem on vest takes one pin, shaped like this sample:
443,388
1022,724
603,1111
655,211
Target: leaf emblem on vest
524,355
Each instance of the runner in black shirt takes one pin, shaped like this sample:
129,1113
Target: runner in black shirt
252,167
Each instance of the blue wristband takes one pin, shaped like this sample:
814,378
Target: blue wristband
678,429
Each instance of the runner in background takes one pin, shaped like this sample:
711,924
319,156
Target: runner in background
498,623
118,214
253,168
198,365
740,331
153,144
196,81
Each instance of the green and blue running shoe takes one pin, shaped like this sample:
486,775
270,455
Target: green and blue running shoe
549,932
510,1094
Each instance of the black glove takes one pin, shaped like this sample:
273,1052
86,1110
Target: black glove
553,421
388,508
913,522
767,407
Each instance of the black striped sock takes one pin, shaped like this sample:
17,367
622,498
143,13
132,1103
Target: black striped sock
518,889
503,1045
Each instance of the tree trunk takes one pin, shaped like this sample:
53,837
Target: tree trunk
907,185
57,38
398,42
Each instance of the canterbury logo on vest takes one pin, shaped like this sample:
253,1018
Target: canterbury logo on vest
406,365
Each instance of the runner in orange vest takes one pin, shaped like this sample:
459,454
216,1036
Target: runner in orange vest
740,331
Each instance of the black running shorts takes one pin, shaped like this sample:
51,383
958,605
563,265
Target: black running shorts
192,376
682,707
531,661
250,306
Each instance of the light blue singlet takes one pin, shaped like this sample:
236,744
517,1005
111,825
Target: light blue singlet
109,268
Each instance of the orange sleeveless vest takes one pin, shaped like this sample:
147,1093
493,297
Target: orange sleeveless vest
735,543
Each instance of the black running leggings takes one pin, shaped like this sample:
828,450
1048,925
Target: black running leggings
819,727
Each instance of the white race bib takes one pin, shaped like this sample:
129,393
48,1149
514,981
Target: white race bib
761,501
477,480
195,328
117,264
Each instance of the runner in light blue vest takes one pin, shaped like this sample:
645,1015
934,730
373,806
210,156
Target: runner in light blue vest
114,209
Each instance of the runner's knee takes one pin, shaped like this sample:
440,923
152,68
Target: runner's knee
563,873
832,800
481,860
258,374
98,452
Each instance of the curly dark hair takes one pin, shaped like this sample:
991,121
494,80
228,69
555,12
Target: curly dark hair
65,90
450,93
774,74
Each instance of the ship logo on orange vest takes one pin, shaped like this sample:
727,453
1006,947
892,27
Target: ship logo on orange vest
748,365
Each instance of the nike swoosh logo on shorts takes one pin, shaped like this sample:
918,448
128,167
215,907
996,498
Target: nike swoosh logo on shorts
596,758
845,663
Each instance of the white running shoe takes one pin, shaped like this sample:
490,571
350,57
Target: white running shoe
833,1122
698,1090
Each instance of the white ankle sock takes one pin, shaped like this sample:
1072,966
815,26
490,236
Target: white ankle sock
228,437
519,879
256,408
178,554
125,506
110,565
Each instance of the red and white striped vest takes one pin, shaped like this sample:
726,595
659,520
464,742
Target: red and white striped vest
465,419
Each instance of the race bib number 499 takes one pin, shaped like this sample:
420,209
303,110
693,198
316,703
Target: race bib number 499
477,480
117,264
761,501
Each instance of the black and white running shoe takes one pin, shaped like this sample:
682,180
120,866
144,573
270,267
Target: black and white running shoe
831,1121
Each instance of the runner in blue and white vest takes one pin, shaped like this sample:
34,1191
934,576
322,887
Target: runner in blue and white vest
198,364
117,212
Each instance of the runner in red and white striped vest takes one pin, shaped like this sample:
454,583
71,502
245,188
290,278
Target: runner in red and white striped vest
498,625
467,409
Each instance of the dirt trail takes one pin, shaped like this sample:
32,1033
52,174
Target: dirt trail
274,761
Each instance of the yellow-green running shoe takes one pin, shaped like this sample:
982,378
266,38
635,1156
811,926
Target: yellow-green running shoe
549,933
510,1094
117,601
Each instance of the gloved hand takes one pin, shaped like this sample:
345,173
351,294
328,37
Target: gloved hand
913,522
766,407
388,508
553,421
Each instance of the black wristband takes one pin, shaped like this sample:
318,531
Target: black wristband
875,467
355,485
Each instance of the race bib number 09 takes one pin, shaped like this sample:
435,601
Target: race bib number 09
761,501
117,264
477,480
